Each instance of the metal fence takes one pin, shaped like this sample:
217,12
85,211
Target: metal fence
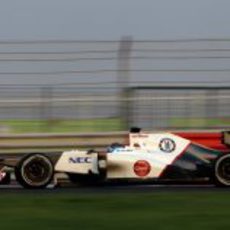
171,107
58,109
57,102
81,86
73,108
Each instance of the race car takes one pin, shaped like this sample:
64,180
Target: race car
147,157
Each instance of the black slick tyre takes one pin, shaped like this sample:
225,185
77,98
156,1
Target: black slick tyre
222,171
34,171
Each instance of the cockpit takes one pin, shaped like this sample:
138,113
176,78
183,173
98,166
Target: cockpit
115,147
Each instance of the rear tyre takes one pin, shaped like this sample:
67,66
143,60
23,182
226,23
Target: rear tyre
34,171
222,171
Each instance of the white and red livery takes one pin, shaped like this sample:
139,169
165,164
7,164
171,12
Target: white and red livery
148,156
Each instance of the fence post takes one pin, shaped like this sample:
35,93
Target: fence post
123,78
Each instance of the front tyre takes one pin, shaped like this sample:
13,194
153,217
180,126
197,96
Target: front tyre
34,171
222,171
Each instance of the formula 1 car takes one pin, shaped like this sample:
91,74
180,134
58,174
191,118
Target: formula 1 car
149,156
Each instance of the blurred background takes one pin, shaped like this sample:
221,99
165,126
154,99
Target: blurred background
78,66
96,85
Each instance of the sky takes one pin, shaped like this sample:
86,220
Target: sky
111,19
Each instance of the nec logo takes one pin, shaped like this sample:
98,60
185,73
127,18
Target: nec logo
80,160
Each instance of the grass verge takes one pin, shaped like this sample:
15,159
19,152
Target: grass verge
176,210
200,122
61,126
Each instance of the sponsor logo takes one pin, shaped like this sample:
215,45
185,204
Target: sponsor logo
167,145
140,136
80,160
142,168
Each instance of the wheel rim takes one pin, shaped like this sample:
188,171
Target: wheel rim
37,171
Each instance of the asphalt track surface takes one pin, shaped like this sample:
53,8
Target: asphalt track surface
113,189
